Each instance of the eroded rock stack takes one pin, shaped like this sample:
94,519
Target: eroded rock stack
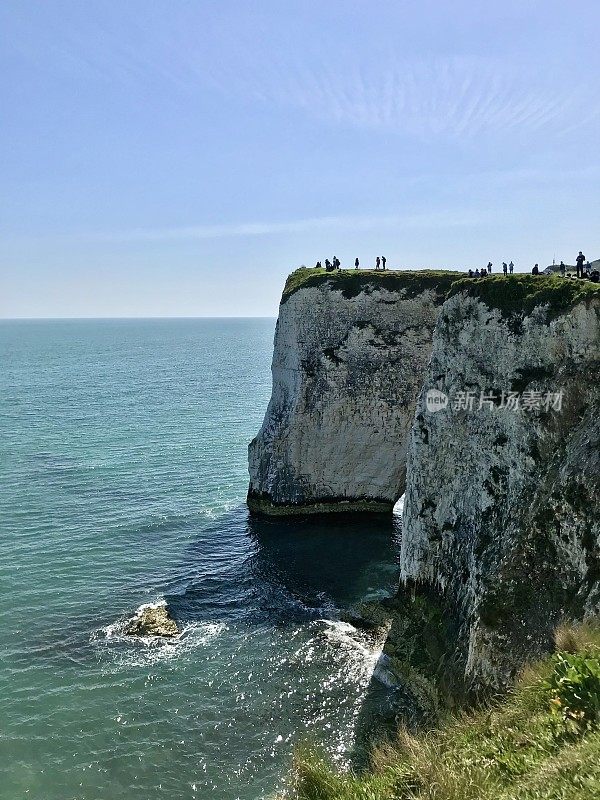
349,359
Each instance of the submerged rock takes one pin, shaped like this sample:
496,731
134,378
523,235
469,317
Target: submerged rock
153,621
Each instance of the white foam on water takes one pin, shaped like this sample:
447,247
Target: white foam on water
354,665
133,651
398,509
347,636
384,674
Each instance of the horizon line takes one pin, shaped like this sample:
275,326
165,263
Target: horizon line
110,319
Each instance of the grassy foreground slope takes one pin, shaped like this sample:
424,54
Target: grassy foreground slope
541,742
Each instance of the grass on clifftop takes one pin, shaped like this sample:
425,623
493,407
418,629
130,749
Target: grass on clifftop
353,281
513,295
520,294
542,742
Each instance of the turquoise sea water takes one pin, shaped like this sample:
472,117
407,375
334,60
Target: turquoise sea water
122,481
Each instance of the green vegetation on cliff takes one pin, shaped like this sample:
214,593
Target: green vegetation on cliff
514,295
540,742
354,281
520,294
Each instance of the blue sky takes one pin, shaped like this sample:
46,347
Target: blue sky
181,157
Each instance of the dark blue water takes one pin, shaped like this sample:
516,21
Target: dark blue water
122,482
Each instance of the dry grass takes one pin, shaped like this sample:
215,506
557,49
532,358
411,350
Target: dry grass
507,751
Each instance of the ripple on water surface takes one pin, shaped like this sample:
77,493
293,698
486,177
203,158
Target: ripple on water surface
124,485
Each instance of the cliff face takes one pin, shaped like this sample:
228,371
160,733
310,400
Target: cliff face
501,520
349,359
502,505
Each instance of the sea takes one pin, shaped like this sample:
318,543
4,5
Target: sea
123,474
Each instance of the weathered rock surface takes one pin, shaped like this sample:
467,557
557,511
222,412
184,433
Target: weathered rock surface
153,621
502,506
349,359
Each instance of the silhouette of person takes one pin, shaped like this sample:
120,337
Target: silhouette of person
377,262
579,261
489,267
383,260
318,265
535,270
477,273
511,266
505,267
563,268
356,263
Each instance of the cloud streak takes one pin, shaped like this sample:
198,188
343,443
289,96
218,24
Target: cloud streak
446,96
441,219
456,97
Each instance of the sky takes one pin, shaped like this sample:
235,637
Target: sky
181,157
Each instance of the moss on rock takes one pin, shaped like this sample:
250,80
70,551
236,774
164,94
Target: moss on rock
352,282
263,505
519,295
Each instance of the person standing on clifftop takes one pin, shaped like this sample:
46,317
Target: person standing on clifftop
383,260
535,270
505,267
563,268
579,262
356,263
377,262
511,266
489,267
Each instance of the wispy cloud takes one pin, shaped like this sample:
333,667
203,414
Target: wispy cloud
439,219
459,97
429,95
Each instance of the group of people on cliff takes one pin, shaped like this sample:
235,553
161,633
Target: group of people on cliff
582,270
335,263
484,271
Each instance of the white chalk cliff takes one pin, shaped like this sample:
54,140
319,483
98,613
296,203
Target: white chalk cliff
502,509
349,359
501,524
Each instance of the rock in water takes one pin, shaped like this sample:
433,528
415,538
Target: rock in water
153,621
